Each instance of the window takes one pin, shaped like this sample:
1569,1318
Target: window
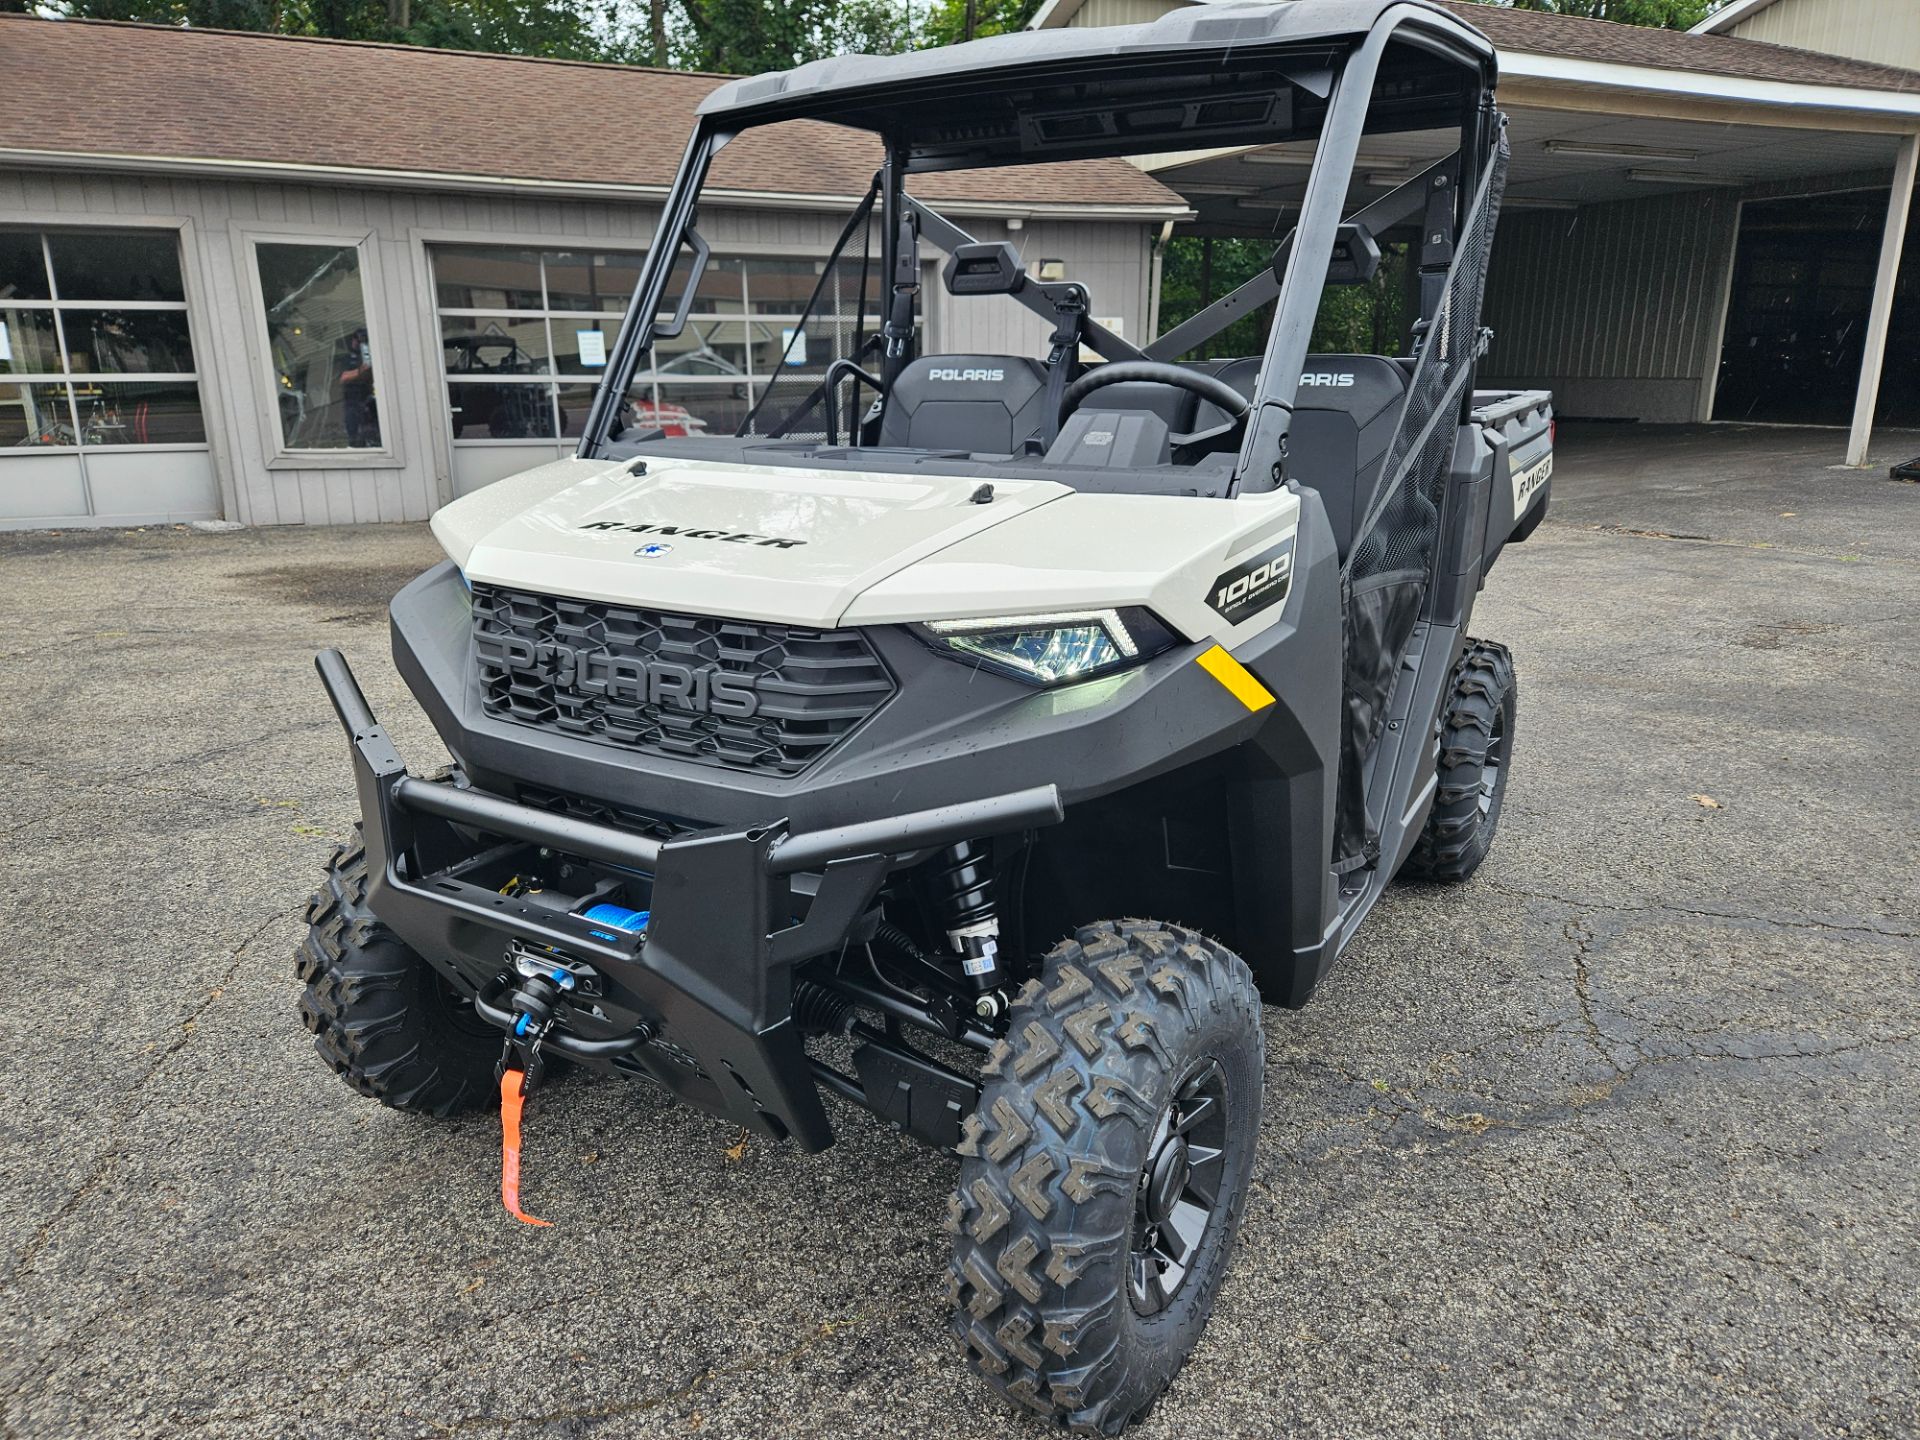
515,323
321,360
525,334
94,344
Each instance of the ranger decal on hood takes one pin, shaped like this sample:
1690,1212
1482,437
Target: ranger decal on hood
685,533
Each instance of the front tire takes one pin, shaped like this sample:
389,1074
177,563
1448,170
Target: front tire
1105,1172
381,1017
1476,754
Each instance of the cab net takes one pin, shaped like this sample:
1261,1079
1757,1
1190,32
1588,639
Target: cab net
1384,585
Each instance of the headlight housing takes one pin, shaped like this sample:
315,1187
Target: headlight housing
1060,647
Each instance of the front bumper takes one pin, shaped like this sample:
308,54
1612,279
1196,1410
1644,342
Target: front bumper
702,1001
949,733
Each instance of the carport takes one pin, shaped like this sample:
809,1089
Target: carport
1647,268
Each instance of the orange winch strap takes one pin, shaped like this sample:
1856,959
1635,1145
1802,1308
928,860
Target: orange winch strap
511,1100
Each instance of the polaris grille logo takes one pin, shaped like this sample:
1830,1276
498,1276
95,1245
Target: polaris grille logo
686,532
1327,377
705,691
987,375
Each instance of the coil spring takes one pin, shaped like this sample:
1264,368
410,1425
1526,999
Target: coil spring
961,881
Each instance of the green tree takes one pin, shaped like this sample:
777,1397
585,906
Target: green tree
1197,270
1668,14
740,37
951,21
554,29
743,37
1369,319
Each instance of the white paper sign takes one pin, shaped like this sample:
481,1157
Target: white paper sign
593,347
6,343
793,346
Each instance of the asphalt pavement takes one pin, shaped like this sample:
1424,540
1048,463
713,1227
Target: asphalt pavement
1617,1139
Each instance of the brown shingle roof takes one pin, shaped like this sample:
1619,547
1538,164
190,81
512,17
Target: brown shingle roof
101,88
1572,38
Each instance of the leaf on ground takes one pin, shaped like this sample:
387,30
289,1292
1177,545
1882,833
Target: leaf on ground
474,1286
1706,802
737,1151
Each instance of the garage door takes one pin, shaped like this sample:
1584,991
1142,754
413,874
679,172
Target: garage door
100,414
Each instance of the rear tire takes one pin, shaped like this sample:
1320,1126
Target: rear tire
1476,754
1104,1175
381,1017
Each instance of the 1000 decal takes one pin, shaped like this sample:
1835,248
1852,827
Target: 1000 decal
1255,584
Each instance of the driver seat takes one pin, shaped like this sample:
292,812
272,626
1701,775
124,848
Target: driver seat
1343,420
989,404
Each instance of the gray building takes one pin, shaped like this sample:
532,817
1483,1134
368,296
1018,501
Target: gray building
1884,31
276,280
1704,226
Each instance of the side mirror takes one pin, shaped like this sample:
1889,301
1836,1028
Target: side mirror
984,268
1356,256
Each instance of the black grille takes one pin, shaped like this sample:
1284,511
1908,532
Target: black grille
738,693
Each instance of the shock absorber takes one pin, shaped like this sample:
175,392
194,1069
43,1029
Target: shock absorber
962,885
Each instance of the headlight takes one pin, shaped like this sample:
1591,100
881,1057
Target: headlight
1057,648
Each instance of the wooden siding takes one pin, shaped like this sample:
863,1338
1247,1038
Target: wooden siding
1617,307
1886,32
1110,260
216,219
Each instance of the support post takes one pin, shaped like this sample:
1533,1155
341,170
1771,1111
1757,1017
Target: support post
1873,363
1156,272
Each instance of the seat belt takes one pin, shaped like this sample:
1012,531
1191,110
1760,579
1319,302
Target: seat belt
1436,253
898,331
1069,324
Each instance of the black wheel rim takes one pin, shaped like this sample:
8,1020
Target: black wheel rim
1179,1188
1495,762
458,1009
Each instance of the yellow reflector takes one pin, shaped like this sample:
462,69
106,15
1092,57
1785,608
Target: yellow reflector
1243,684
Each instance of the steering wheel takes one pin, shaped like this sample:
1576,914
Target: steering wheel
1121,372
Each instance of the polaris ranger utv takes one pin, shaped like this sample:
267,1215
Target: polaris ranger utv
977,739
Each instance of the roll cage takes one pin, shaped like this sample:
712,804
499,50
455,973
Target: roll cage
1224,76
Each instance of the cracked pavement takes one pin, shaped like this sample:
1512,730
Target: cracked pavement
1616,1139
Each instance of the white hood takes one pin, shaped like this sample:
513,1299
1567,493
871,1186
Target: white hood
758,542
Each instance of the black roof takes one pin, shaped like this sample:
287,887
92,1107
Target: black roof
848,83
